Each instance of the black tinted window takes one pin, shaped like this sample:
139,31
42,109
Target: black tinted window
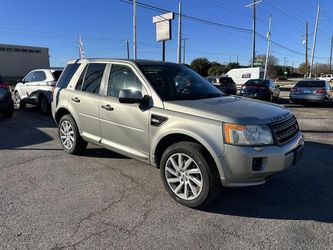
80,81
226,80
93,77
56,74
257,82
67,75
122,77
311,84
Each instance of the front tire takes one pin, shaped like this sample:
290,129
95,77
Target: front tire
18,101
189,174
69,136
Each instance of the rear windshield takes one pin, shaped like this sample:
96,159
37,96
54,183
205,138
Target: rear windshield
56,74
226,80
254,82
311,84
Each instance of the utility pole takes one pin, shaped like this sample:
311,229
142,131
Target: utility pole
81,47
237,59
314,40
179,49
184,44
134,31
127,47
331,54
268,45
306,49
254,5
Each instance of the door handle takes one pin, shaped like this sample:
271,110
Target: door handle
75,99
107,107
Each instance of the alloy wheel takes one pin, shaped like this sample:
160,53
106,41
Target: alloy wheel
67,134
183,176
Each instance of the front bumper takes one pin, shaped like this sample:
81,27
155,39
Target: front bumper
237,163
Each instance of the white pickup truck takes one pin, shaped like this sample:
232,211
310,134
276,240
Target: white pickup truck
37,88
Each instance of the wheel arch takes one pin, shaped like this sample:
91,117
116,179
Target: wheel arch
173,138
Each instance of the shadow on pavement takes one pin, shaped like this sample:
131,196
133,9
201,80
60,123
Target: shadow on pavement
302,192
22,129
101,153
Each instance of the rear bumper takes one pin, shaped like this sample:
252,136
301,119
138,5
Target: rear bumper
308,98
238,167
261,96
8,104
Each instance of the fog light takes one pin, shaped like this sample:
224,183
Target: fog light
257,164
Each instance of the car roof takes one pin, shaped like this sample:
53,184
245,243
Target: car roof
137,62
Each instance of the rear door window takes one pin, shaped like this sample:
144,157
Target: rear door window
38,76
93,77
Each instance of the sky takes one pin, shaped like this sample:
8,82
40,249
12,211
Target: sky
105,24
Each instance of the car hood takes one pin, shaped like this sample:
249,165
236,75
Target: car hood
233,109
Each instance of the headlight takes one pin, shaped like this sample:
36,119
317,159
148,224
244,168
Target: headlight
247,134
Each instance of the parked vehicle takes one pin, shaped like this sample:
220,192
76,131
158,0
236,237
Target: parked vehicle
314,91
166,115
242,75
37,88
6,101
265,90
223,83
327,77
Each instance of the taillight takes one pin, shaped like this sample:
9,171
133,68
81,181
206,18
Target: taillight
4,86
320,91
294,90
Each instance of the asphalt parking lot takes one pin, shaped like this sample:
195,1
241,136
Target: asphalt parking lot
52,200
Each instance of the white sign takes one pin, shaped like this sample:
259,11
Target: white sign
163,26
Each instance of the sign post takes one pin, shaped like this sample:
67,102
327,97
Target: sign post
163,29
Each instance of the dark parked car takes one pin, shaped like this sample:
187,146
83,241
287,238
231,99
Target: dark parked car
314,91
265,90
223,83
6,101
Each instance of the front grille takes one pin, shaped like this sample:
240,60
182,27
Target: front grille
284,130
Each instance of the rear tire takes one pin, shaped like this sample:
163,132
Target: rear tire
69,136
193,180
8,112
44,105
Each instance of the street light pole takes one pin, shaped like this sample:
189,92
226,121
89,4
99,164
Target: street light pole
134,31
184,44
268,45
253,5
179,51
127,48
314,41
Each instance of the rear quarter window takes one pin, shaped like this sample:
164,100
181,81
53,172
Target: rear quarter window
67,75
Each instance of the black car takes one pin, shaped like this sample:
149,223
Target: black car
265,90
223,83
6,101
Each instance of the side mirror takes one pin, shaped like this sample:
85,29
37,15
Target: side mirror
130,96
20,80
278,86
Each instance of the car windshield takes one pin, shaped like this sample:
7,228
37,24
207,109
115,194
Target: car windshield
255,82
318,84
178,82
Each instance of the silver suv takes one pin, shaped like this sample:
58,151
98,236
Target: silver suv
166,115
